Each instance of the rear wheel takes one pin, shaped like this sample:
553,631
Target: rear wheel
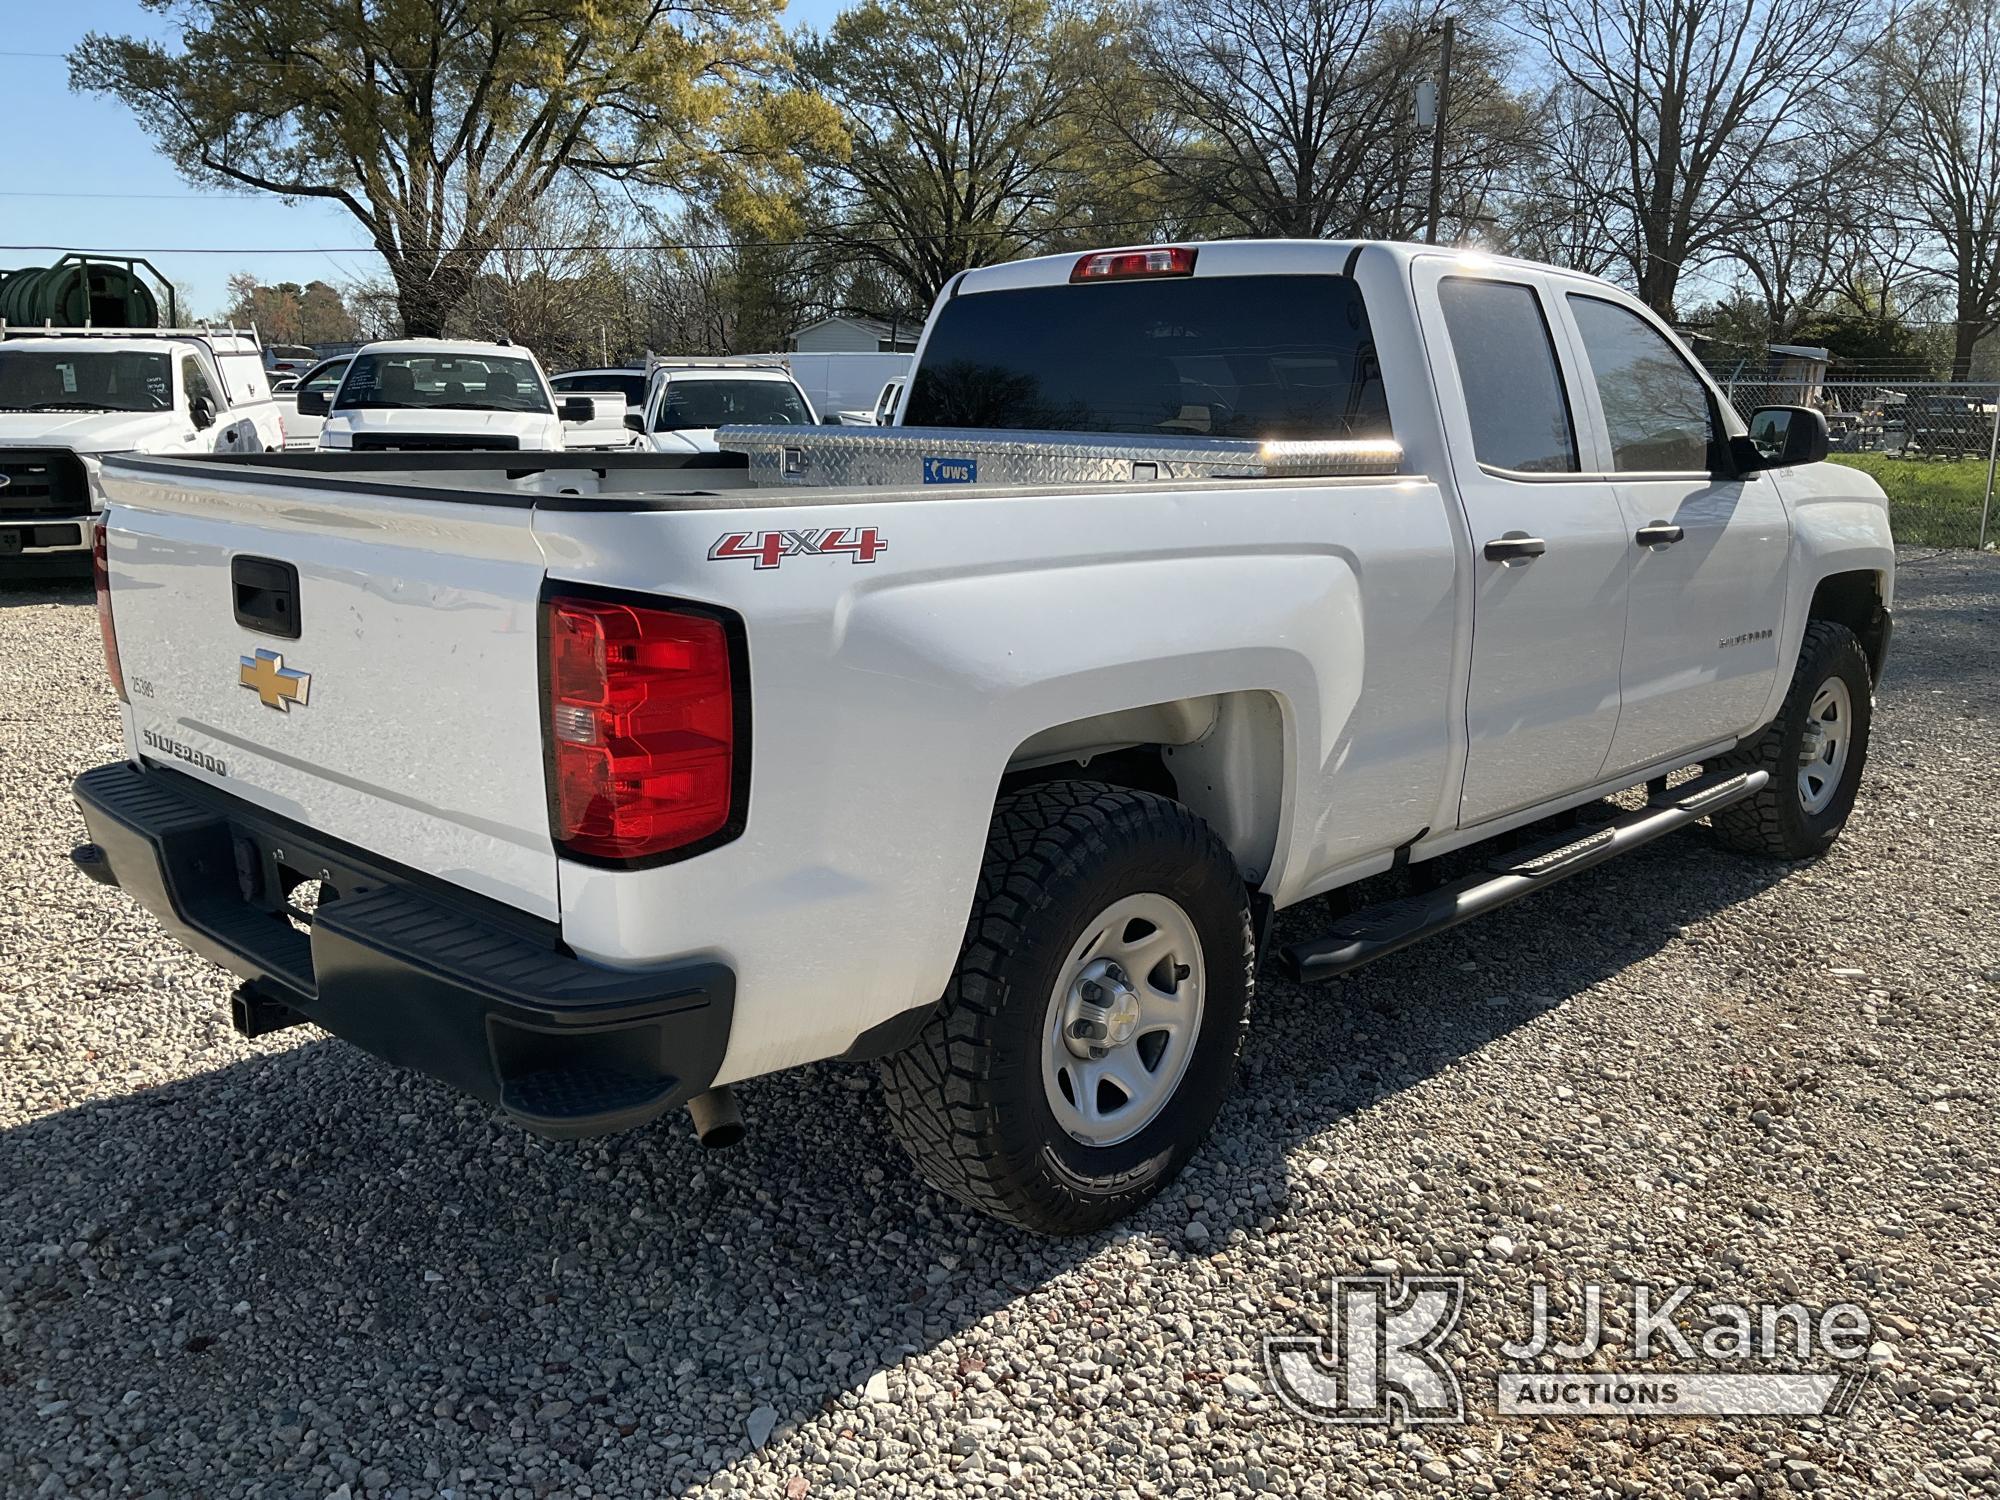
1091,1028
1814,752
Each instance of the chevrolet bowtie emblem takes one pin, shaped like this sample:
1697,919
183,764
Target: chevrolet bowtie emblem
275,684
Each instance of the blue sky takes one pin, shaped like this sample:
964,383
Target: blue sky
88,177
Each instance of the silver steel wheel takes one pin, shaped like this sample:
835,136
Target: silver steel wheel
1123,1019
1823,748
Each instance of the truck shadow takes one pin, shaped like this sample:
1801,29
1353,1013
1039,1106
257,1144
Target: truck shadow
24,588
330,1231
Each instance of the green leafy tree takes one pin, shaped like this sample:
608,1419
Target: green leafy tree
287,313
439,123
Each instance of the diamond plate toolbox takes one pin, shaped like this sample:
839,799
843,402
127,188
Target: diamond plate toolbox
917,457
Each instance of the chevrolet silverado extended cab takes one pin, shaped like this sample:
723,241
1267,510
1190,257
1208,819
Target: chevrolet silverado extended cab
71,396
1195,582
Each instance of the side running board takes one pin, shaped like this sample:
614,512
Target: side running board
1378,930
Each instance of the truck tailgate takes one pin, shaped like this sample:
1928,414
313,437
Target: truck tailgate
364,663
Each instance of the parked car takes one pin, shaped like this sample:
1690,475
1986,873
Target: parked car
882,413
1948,424
292,360
1195,582
439,395
70,396
307,416
685,404
889,400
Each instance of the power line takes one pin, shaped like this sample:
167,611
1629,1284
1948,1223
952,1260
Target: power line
122,197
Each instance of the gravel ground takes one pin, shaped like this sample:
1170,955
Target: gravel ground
281,1268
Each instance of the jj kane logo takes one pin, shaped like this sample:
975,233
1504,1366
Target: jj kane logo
1390,1354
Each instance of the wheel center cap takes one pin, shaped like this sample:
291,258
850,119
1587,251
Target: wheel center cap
1812,742
1102,1011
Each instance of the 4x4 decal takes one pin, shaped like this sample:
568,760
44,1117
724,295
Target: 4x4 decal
861,544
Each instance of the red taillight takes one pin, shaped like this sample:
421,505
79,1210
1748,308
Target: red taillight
642,728
100,568
1117,265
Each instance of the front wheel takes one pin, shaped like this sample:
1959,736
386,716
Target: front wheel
1091,1028
1814,752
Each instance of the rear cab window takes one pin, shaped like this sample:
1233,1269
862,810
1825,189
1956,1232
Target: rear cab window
1247,357
442,382
697,405
1508,376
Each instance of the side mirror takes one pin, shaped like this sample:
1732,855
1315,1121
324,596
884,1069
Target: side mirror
202,411
634,422
1783,437
314,403
831,419
578,409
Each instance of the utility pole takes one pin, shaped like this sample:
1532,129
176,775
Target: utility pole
1437,133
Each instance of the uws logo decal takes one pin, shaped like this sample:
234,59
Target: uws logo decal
766,549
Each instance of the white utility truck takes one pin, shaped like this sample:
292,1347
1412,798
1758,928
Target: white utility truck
71,396
438,395
1198,581
686,402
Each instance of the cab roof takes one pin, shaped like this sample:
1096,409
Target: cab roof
462,348
1238,258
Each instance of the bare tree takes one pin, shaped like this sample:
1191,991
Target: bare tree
1268,111
1937,75
1558,213
962,119
1798,257
551,284
1297,117
1685,100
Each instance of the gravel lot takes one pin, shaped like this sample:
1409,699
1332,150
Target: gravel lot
281,1268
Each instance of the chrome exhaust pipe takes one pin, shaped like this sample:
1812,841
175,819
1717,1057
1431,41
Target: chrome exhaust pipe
717,1120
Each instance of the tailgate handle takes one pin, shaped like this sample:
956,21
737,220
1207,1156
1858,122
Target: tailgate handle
267,595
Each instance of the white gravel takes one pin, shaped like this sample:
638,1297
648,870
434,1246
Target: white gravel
282,1268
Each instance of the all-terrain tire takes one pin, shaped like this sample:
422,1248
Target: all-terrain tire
1776,823
968,1100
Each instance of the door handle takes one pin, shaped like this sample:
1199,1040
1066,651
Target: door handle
1659,534
1515,546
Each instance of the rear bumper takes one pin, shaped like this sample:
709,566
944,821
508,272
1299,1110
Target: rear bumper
471,992
24,545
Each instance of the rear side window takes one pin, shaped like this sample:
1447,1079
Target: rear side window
1654,405
1508,373
1220,356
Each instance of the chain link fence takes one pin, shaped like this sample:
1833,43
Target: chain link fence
1931,445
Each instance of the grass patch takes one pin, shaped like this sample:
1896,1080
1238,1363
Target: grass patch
1933,502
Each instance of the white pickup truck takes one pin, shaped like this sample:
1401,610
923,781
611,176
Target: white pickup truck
1199,581
436,395
71,396
686,404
